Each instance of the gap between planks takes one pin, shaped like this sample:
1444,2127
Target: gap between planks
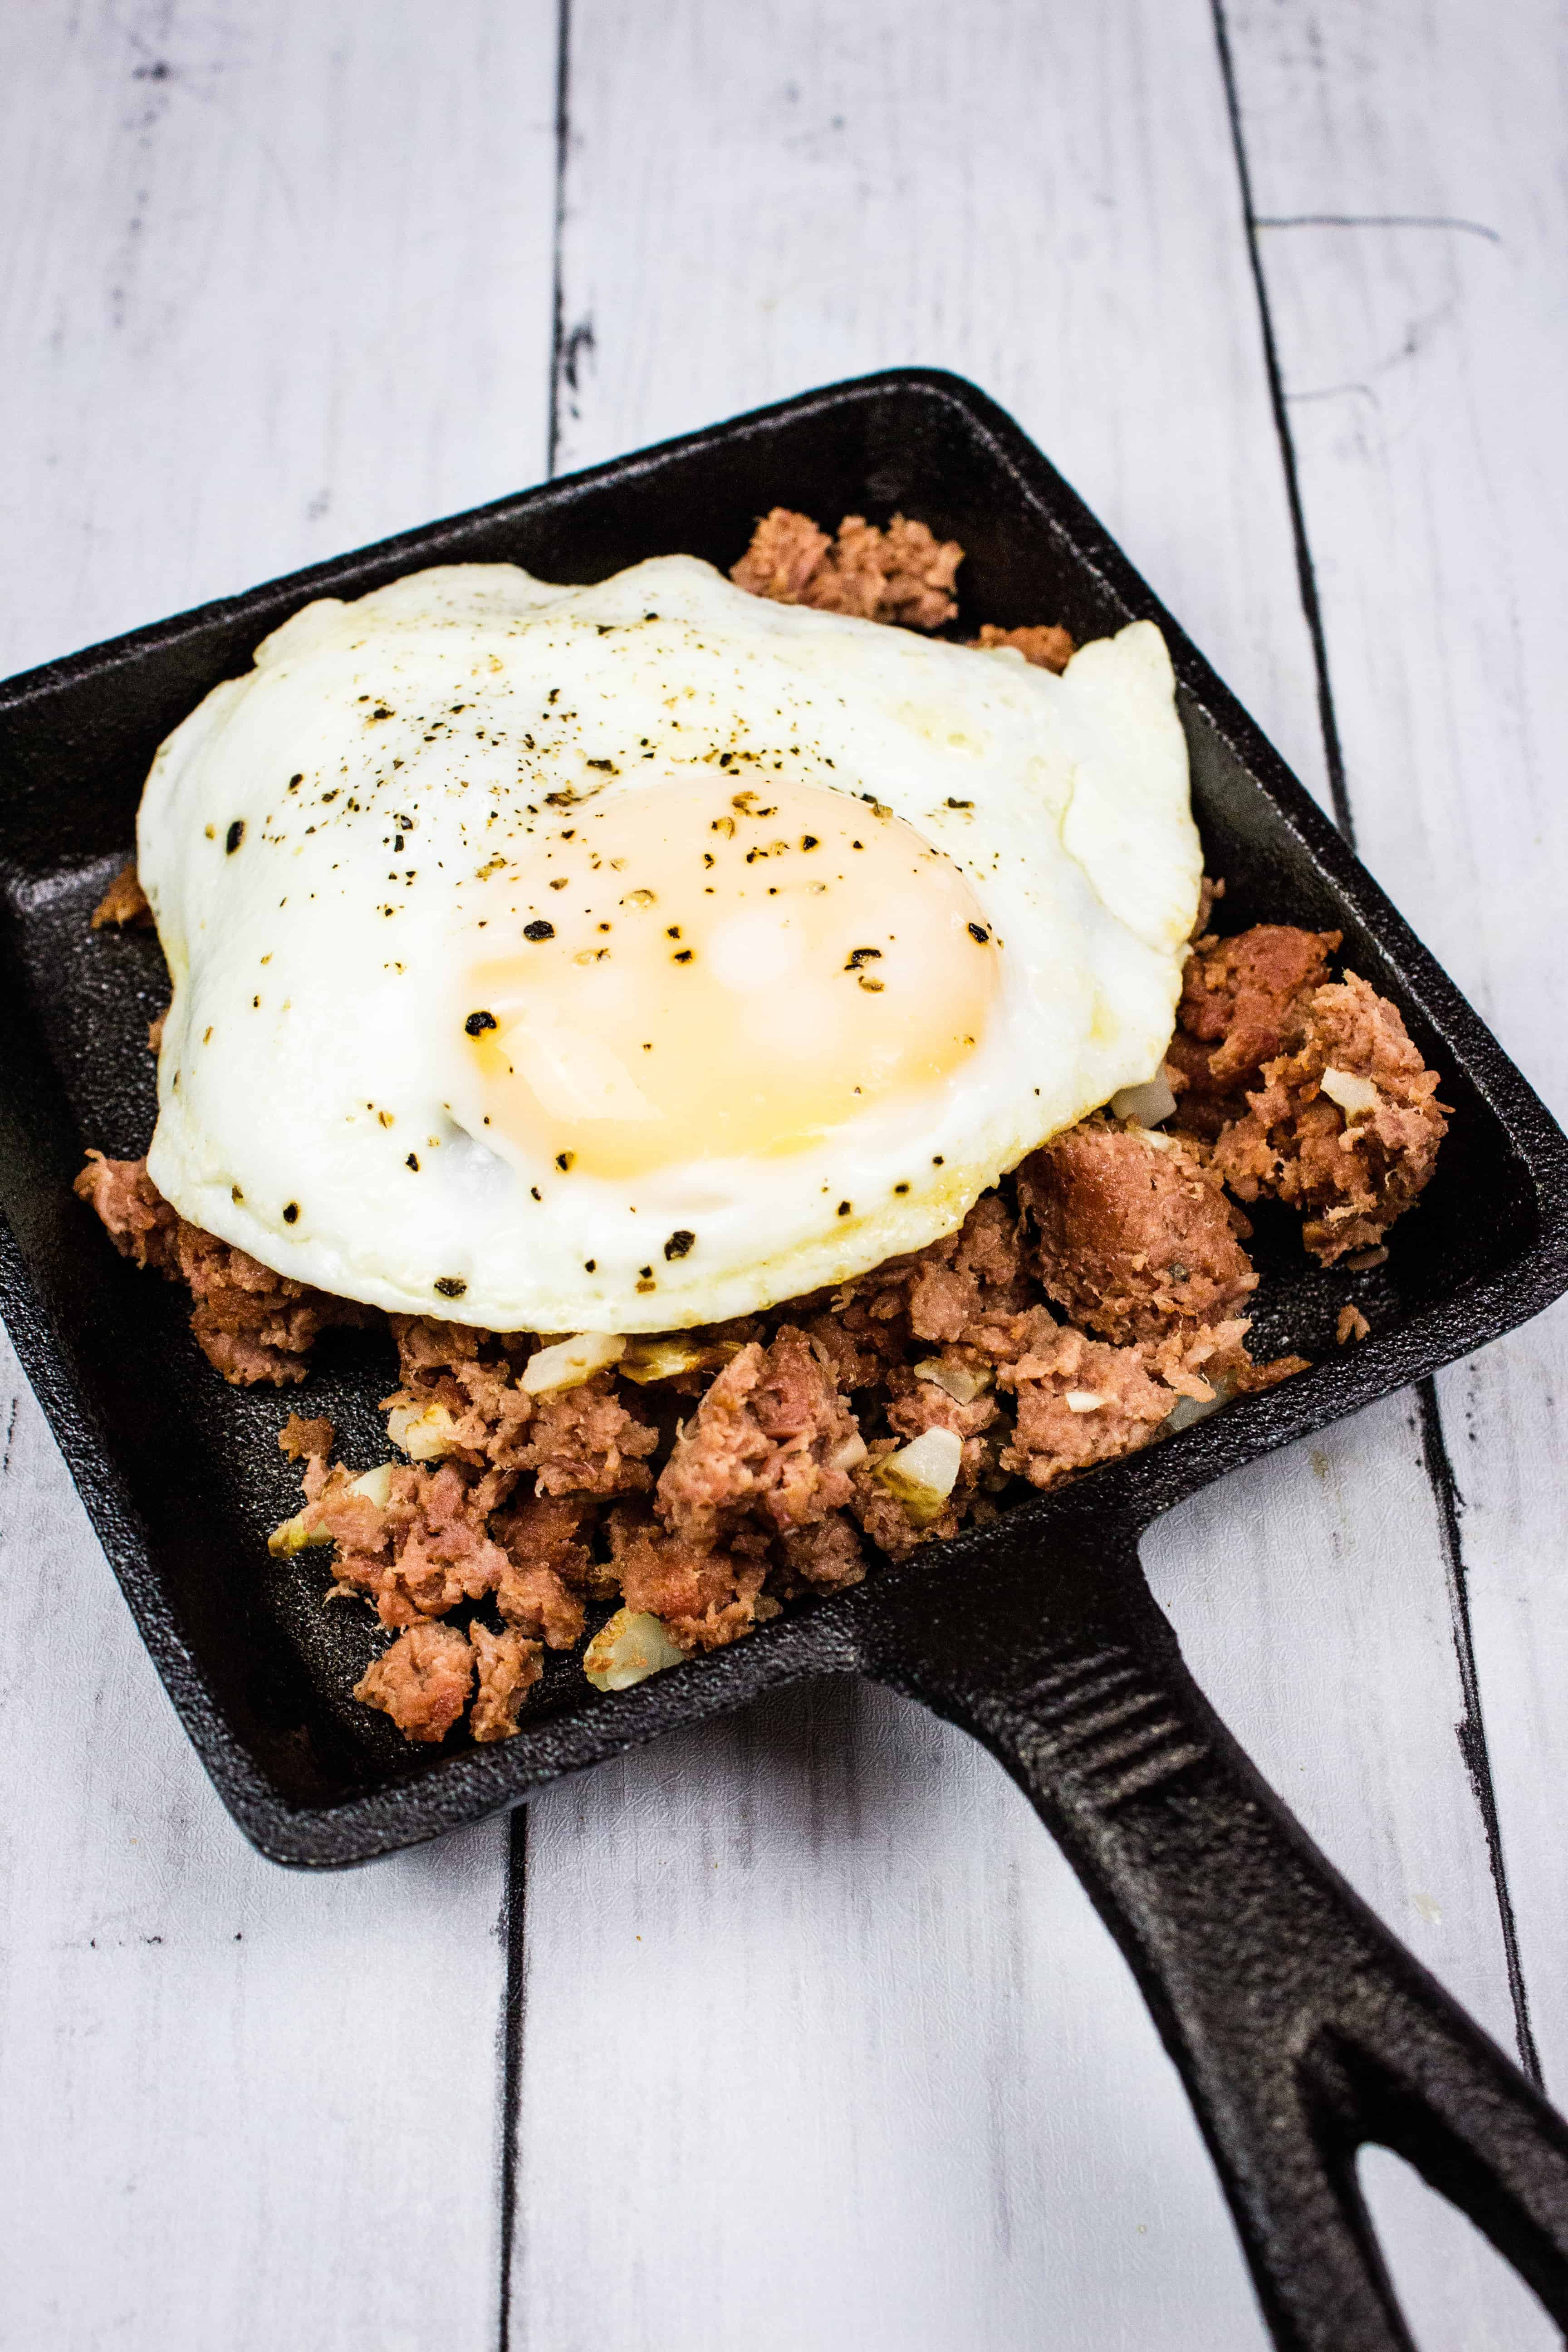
1471,1727
558,356
514,1905
514,1908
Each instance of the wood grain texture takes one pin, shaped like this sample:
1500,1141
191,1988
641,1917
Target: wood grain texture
1416,283
274,280
822,2046
844,2058
867,2008
1456,2294
217,2078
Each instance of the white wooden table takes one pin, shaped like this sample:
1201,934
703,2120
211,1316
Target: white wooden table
797,2032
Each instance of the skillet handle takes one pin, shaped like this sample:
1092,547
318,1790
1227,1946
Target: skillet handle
1299,2026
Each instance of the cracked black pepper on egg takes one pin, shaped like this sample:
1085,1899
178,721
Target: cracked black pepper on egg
783,931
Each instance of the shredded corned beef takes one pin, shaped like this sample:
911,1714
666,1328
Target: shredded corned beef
123,904
917,1402
772,1438
1350,1171
423,1550
585,1441
901,574
422,1681
538,1602
1134,1232
134,1213
522,1512
1080,1401
948,1292
461,1385
557,1532
1239,997
252,1324
975,1273
308,1440
883,1519
706,1593
549,1567
825,1558
508,1668
1044,648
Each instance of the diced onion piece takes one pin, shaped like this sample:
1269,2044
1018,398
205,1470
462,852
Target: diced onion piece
627,1649
1189,1408
1148,1104
572,1361
301,1532
1356,1096
424,1435
293,1536
850,1454
962,1383
660,1358
923,1474
1084,1400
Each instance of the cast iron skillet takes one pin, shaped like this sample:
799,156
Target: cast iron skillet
1301,2028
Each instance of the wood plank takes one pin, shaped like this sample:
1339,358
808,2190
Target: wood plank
825,2047
1454,2292
859,2005
279,283
221,2080
274,281
1417,297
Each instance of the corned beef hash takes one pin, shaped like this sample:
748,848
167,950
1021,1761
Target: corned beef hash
756,1023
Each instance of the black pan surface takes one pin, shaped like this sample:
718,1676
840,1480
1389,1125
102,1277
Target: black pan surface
1301,2029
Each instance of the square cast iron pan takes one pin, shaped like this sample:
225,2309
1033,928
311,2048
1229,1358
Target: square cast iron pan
1301,2028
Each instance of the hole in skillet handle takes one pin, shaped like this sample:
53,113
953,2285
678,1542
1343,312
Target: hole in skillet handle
182,1475
1300,2027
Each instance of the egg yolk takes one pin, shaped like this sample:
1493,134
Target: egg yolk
691,971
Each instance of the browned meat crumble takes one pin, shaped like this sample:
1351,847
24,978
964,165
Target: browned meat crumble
902,575
423,1682
772,1441
123,904
1352,1165
1238,998
252,1324
1045,649
1079,1305
1136,1236
507,1667
706,1592
541,1586
586,1441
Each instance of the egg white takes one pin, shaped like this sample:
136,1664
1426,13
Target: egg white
309,1048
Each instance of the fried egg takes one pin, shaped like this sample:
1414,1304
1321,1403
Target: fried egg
625,958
